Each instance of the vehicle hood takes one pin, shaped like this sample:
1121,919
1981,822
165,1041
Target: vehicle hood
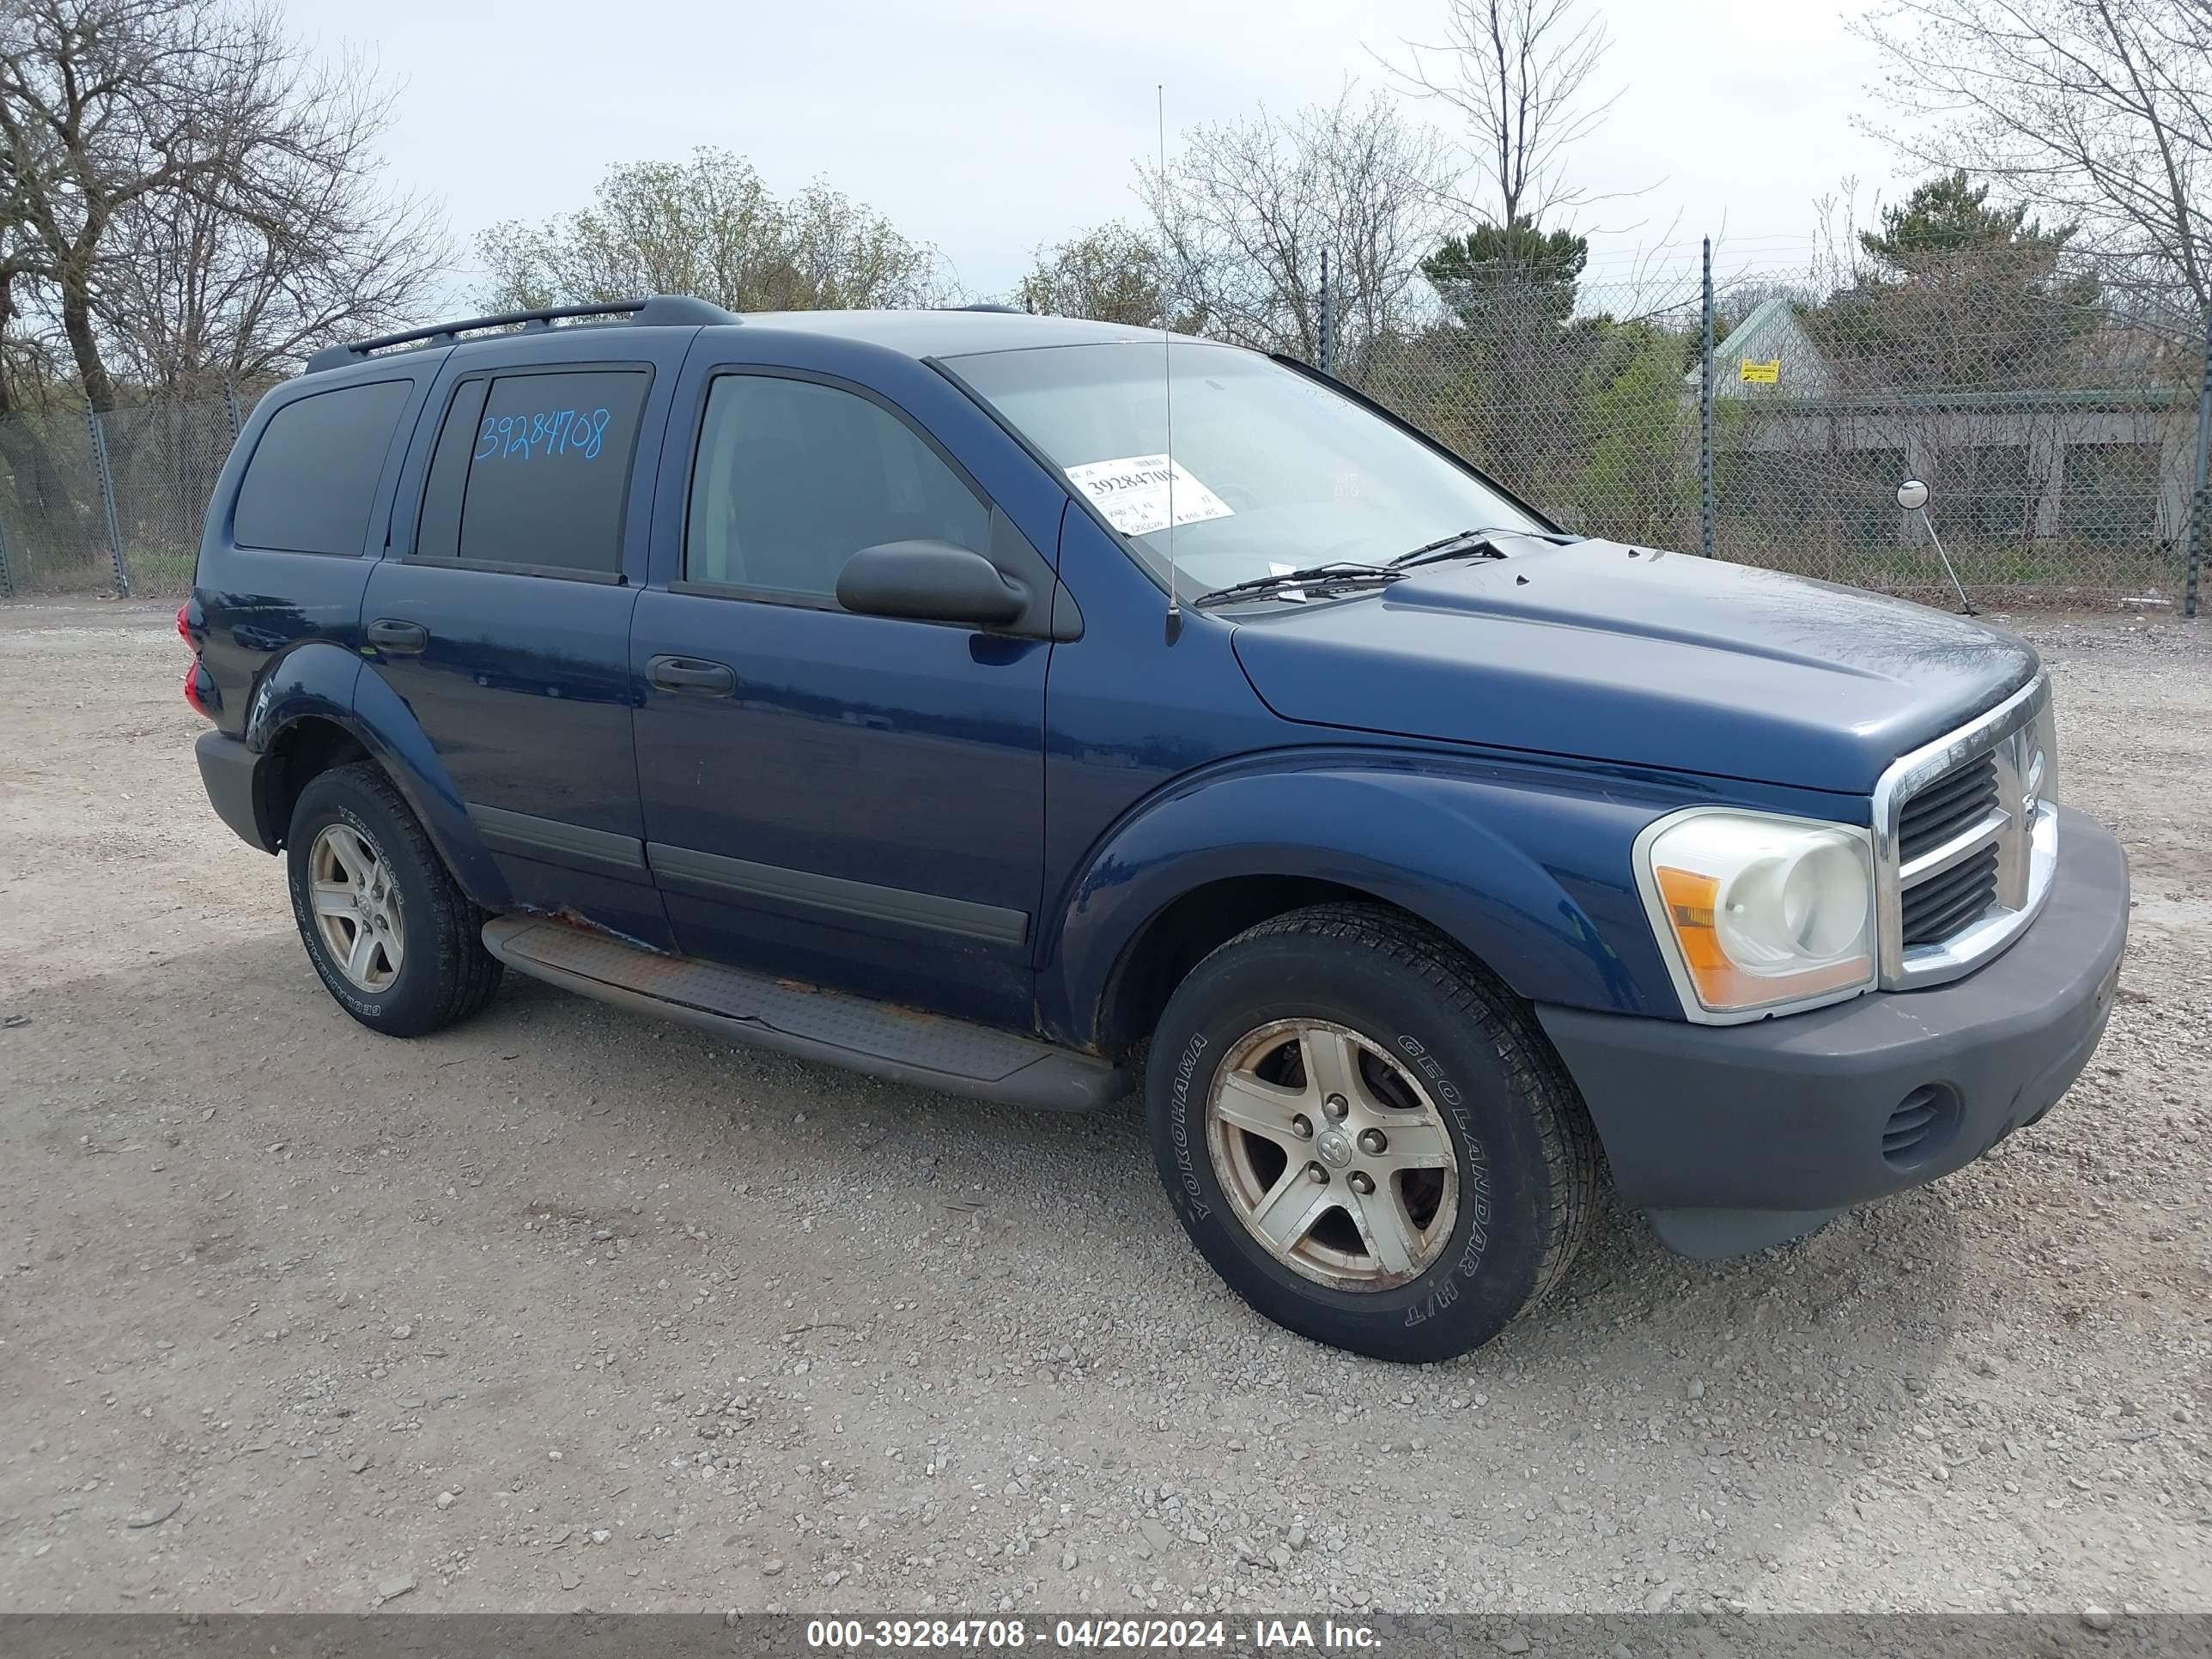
1608,653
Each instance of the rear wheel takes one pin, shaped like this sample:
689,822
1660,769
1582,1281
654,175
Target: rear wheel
394,940
1362,1132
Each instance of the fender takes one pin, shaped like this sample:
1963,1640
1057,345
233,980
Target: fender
324,681
1540,886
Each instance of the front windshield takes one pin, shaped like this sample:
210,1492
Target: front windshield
1272,471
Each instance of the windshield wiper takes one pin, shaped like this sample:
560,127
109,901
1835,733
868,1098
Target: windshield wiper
1339,575
1482,540
1334,577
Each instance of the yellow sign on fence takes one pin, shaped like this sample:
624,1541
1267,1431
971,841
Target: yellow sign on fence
1768,373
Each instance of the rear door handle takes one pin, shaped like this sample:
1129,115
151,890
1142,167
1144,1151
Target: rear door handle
401,639
694,675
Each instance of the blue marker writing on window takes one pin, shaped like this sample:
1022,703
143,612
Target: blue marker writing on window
550,432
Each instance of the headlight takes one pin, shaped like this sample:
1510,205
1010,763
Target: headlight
1759,914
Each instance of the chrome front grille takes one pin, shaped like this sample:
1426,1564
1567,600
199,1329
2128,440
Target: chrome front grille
1932,911
1966,840
1951,805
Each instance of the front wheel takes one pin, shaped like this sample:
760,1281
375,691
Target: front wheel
1364,1135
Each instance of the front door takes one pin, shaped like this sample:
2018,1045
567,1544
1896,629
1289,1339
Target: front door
502,615
855,801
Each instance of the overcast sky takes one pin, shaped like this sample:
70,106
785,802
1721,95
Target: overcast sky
988,129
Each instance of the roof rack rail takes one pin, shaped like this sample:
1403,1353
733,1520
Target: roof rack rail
990,305
652,310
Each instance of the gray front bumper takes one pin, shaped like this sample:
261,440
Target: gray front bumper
1735,1137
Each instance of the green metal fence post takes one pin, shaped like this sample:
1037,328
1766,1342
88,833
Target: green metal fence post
1328,320
94,424
1705,415
2200,503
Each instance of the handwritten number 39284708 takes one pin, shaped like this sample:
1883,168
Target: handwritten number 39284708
556,432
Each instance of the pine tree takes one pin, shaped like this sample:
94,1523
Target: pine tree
1514,265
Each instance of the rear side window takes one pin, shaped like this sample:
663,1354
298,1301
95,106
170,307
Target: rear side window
533,471
312,478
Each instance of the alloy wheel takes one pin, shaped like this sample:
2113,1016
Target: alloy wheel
356,907
1334,1158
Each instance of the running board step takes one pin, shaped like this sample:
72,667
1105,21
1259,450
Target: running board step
876,1037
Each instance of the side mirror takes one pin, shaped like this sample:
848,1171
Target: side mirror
929,581
1913,494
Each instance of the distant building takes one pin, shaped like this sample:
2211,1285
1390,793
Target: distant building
2108,465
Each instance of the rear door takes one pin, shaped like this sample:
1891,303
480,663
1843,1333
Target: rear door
500,614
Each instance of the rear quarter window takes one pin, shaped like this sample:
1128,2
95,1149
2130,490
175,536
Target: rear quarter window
312,483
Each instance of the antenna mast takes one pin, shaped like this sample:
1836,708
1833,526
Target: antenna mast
1167,383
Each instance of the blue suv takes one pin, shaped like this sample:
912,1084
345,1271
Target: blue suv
1039,710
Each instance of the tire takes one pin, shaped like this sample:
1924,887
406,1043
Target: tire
352,835
1448,1074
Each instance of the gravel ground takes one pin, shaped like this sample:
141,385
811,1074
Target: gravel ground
568,1309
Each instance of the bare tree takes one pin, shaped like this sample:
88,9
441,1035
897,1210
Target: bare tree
1519,73
1246,210
709,226
2095,112
132,126
195,295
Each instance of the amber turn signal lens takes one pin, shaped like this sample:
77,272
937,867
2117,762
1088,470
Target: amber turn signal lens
1690,900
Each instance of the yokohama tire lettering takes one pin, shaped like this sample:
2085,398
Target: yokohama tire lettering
1179,1125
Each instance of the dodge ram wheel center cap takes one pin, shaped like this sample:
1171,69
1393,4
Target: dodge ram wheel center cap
1335,1148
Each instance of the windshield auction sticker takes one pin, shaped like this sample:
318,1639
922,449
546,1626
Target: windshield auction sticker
1133,493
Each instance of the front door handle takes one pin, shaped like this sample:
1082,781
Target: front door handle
401,639
694,675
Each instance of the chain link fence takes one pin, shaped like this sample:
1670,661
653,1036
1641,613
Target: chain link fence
111,502
2061,436
2062,431
1588,418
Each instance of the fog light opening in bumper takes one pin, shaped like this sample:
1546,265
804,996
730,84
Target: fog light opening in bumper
1923,1125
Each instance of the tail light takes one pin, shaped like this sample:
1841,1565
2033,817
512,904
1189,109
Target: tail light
194,677
199,686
